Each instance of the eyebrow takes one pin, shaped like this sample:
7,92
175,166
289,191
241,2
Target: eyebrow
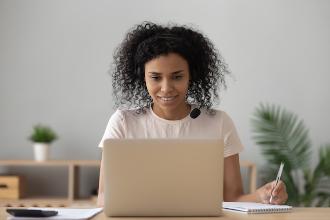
176,72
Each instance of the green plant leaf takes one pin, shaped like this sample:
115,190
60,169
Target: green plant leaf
282,135
42,134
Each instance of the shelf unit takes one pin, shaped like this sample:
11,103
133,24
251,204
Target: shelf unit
71,199
74,167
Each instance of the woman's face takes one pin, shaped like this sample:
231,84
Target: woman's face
167,80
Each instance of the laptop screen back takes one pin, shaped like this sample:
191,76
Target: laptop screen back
163,177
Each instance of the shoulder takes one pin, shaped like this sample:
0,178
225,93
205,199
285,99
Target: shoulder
129,114
215,113
117,116
216,116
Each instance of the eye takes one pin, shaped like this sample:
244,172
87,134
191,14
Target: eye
178,77
155,78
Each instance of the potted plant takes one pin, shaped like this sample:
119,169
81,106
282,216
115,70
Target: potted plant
42,137
282,136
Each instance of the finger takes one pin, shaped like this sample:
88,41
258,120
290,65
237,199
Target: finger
277,201
274,200
271,185
266,200
274,183
275,195
270,190
280,198
283,196
271,200
279,188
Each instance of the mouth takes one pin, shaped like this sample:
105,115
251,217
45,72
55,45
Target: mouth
167,99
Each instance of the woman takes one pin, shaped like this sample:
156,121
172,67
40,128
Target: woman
161,74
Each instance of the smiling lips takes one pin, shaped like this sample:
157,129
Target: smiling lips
167,98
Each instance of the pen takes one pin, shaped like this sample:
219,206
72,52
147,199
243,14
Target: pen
278,177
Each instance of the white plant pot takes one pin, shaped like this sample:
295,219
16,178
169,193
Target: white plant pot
41,151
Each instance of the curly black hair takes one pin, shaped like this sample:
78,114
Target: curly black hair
147,41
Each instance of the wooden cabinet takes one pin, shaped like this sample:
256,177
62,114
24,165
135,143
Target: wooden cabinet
72,198
11,187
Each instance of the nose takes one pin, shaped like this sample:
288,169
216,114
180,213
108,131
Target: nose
166,86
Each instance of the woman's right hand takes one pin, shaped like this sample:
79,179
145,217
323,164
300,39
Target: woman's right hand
278,193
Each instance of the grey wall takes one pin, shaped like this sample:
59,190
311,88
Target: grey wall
54,58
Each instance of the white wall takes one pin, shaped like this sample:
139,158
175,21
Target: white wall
54,58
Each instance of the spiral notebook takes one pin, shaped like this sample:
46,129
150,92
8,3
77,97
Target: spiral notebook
255,208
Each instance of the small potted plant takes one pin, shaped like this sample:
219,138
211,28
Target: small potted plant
42,137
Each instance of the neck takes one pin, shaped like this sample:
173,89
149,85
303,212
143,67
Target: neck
174,114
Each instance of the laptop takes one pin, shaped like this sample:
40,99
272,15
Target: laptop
163,177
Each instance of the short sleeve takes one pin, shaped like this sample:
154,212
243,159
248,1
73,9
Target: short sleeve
232,141
115,128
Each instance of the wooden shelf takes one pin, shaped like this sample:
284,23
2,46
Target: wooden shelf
72,198
36,202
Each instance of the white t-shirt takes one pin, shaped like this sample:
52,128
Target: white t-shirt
130,124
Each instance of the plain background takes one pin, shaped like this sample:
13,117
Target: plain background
55,55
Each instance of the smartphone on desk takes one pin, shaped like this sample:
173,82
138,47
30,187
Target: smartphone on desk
31,212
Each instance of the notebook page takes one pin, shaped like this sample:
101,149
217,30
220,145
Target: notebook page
252,207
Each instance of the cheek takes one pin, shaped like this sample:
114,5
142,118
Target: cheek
184,87
152,89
